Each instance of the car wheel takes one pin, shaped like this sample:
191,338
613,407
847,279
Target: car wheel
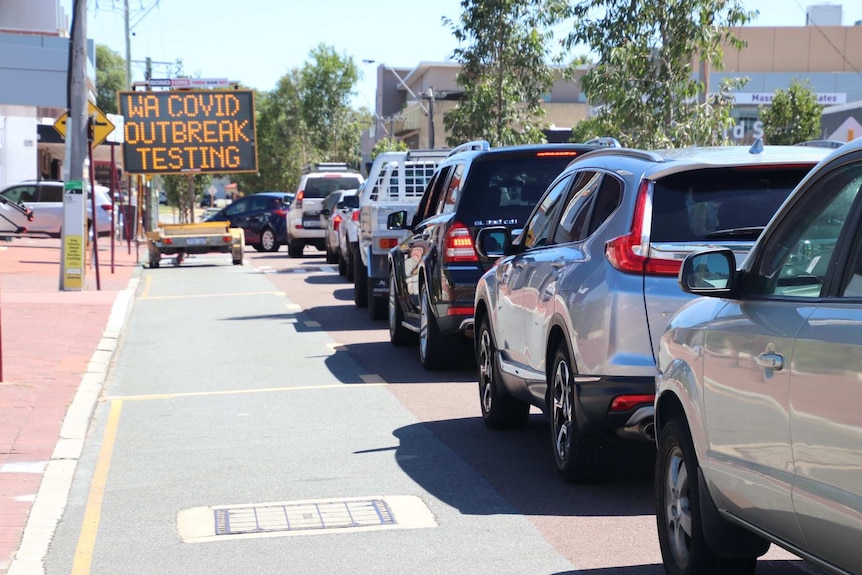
677,494
360,281
295,247
331,258
268,241
398,334
578,456
258,247
499,409
435,349
342,265
348,272
377,305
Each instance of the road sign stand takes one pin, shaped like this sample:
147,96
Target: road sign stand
91,124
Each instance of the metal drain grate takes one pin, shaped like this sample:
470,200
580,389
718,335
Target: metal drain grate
302,517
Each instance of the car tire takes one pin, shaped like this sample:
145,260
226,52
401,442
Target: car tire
258,247
342,265
499,409
348,272
331,258
294,248
360,281
579,457
378,306
677,497
398,334
435,349
268,241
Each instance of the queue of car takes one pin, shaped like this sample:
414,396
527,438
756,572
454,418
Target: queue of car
581,298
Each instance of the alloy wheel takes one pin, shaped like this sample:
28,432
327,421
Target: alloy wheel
423,326
267,240
562,410
677,507
486,369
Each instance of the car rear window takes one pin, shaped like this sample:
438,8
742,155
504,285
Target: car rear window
720,203
350,201
503,189
323,186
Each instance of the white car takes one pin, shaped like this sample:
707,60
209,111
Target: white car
45,199
303,220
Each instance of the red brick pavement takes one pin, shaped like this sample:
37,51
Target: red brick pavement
47,338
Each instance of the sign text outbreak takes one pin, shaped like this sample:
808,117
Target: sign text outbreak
188,131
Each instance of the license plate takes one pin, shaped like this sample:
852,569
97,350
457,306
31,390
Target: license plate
196,241
311,223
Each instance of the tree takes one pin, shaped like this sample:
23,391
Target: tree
793,116
504,70
388,145
325,87
643,80
110,78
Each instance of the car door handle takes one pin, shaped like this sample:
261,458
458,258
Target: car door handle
774,361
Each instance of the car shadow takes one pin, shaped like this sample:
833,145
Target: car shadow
387,362
764,567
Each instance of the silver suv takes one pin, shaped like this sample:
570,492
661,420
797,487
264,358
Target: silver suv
758,397
569,319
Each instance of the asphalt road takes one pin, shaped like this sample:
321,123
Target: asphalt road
257,402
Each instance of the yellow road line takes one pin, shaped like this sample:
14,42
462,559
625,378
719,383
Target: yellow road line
146,291
93,511
376,382
196,296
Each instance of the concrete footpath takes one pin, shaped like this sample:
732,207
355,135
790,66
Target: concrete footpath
56,348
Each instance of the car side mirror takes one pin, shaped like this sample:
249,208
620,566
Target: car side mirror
494,242
325,212
709,273
397,220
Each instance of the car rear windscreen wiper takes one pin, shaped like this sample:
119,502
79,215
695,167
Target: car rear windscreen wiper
749,233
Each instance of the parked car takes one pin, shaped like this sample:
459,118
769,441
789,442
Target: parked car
332,213
569,319
348,234
45,199
758,394
163,198
433,273
303,219
262,216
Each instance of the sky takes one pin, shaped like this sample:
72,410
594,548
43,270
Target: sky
256,42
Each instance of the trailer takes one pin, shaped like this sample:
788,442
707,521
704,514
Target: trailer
181,240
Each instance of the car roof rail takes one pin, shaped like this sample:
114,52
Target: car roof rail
821,143
326,167
474,146
606,142
628,152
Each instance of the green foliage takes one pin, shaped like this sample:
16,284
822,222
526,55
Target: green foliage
388,145
503,50
793,117
643,79
110,78
306,119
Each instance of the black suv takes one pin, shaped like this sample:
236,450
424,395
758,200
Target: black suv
433,273
263,217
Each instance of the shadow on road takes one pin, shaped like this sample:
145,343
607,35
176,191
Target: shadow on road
763,568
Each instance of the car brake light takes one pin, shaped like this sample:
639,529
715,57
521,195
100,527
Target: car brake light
627,402
459,245
556,154
107,207
460,310
387,243
227,239
297,201
280,212
336,222
169,241
629,253
355,216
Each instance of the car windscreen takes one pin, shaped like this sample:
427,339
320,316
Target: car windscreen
323,186
350,201
720,203
502,189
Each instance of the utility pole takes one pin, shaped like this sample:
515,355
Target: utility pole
76,130
128,45
431,137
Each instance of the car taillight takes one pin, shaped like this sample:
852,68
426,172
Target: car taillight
627,402
336,221
629,253
355,216
280,212
297,201
387,243
107,207
459,245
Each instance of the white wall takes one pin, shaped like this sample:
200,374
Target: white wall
18,144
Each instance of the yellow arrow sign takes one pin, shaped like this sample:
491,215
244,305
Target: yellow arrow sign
101,130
